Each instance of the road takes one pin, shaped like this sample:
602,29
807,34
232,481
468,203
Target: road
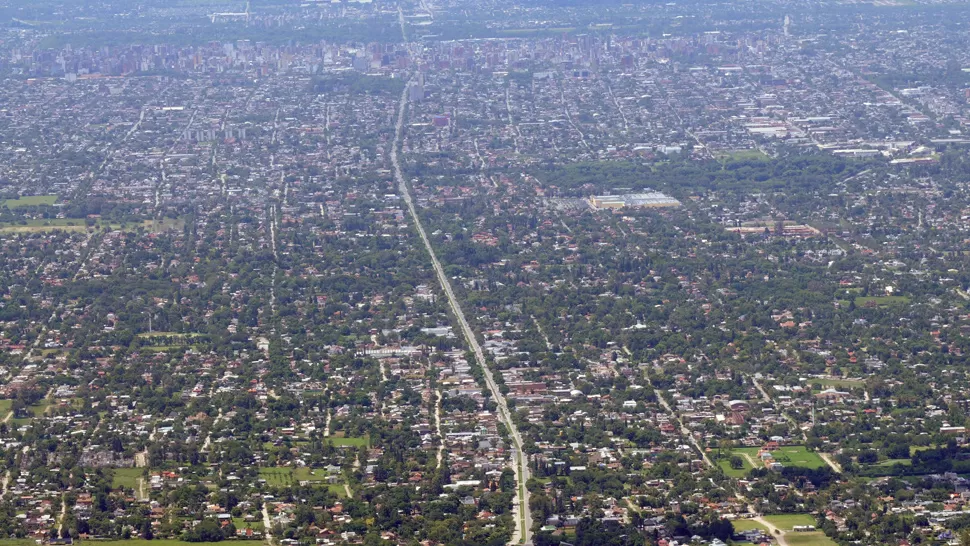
794,424
684,430
267,525
5,484
673,415
523,531
772,530
60,519
437,424
828,460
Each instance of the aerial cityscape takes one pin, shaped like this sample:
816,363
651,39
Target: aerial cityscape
443,272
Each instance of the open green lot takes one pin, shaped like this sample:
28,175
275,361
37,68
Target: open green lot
169,334
241,523
284,476
815,538
880,301
725,464
338,490
350,441
796,456
37,410
17,542
164,224
839,383
134,542
747,525
891,462
30,201
52,224
126,477
742,154
786,522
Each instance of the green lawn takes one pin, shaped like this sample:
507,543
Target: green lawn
163,348
169,334
785,522
913,450
747,525
796,456
725,464
5,406
17,542
285,476
30,201
841,383
164,224
136,542
240,523
126,477
277,476
350,441
54,224
37,410
815,538
881,301
306,474
337,489
742,154
40,409
891,462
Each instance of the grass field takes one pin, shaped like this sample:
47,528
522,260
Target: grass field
786,522
5,406
30,201
168,334
350,441
338,490
725,464
39,409
164,224
240,523
891,462
282,476
914,449
881,301
742,154
52,224
163,348
135,542
815,538
796,456
535,31
126,477
747,525
17,542
841,383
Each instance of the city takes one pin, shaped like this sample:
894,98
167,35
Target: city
511,272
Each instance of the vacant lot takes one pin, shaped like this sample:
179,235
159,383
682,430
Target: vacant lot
747,525
796,456
51,224
350,441
880,301
284,476
30,201
725,464
786,522
126,477
815,538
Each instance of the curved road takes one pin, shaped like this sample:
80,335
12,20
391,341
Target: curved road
520,466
